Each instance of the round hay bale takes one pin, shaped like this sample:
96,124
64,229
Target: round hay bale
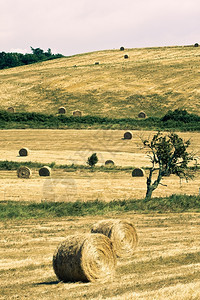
45,171
11,109
196,45
138,172
84,257
109,162
24,172
24,152
62,110
122,234
126,56
121,48
77,113
128,135
96,63
142,115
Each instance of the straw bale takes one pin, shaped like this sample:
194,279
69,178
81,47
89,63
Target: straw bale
128,135
84,257
96,63
122,234
24,152
121,48
126,56
62,110
142,115
109,162
77,113
45,171
11,109
138,172
24,172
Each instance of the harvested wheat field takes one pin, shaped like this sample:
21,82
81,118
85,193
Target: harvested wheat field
87,186
153,80
165,264
75,146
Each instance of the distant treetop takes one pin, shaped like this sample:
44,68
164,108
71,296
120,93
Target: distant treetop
12,59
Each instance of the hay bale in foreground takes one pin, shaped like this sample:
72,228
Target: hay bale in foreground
62,110
24,172
45,171
128,135
126,56
77,113
122,234
138,172
84,257
11,109
24,152
109,162
142,115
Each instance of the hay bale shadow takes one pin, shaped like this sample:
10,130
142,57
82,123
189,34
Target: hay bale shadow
47,283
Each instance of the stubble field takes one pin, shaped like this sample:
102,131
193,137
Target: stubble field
153,80
166,262
74,147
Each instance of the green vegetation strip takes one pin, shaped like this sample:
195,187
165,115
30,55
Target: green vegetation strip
14,165
24,210
177,120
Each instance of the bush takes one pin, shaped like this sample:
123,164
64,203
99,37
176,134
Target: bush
180,115
92,160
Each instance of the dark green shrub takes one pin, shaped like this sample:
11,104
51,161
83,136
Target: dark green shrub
180,115
92,160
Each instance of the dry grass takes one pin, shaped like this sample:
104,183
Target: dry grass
74,146
85,186
77,146
154,80
166,263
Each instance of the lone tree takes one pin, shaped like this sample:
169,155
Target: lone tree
168,155
92,160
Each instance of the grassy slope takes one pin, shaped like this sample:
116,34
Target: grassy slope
151,79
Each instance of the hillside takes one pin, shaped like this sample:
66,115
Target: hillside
151,79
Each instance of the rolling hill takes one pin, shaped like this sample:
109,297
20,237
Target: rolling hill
153,80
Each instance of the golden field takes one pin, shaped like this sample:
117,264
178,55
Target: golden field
74,147
151,79
165,264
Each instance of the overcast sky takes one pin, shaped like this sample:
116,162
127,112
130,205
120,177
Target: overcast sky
77,26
